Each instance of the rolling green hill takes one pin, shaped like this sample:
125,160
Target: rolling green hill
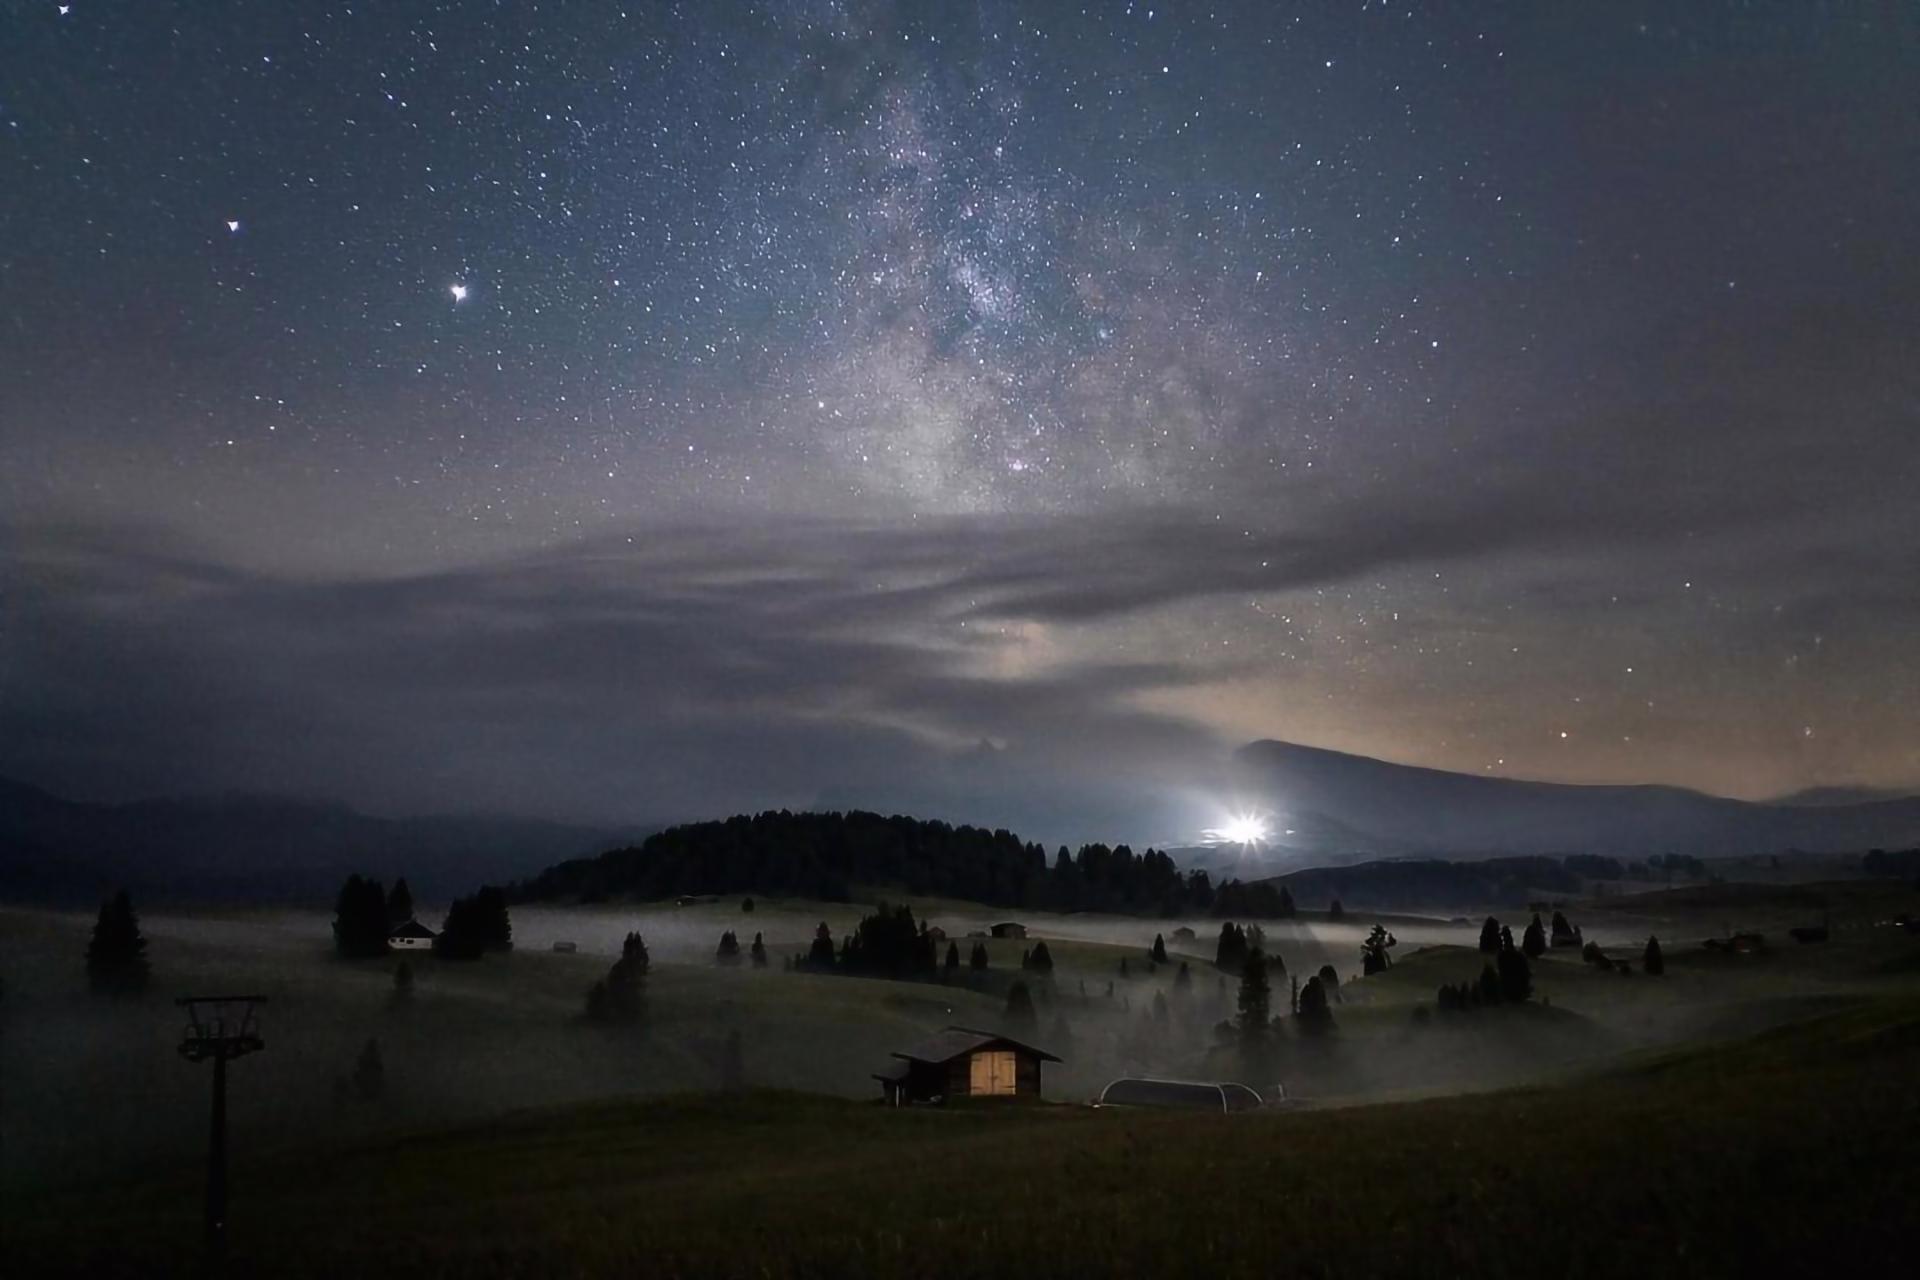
1793,1151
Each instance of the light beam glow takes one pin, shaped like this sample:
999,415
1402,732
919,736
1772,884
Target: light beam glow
1244,828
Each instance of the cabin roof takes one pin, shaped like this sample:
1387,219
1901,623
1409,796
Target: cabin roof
953,1042
411,929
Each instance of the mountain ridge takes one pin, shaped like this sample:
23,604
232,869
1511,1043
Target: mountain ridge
1415,810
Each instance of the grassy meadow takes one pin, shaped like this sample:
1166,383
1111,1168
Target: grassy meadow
514,1139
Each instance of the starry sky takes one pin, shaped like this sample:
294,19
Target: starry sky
998,411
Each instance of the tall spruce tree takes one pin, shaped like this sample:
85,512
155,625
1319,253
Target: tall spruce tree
1255,998
492,918
978,960
820,954
759,952
1534,942
1159,952
621,995
360,921
1651,960
1041,961
117,952
1490,937
1315,1013
1516,976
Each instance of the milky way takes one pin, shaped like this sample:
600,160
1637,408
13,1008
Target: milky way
995,409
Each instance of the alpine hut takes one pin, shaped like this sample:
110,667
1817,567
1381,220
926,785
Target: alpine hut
411,936
962,1062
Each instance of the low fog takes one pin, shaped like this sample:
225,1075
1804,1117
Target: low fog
110,1095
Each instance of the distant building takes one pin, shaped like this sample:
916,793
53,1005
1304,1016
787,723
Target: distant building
1009,929
411,936
961,1062
1184,934
566,946
936,933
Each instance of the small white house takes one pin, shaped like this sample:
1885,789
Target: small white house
411,936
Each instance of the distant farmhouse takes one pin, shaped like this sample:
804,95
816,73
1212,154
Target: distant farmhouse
1009,929
961,1062
411,936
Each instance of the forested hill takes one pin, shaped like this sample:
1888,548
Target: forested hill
823,855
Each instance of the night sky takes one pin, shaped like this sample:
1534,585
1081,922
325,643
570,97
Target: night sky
998,411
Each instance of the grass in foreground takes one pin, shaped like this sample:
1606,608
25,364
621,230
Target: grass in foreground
1793,1151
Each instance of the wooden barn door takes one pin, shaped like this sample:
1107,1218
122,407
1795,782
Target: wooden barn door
993,1074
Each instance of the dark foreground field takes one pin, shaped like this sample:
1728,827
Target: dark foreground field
1795,1152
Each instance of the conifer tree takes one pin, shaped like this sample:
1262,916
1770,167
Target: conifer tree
620,996
1230,954
491,915
1314,1015
1374,957
1516,976
1490,936
1336,911
1042,959
953,959
1330,981
1564,934
117,952
759,952
360,922
820,954
728,952
1159,952
978,960
1651,960
1534,942
1255,998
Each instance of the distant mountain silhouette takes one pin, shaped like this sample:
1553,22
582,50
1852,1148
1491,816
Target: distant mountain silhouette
1829,797
259,847
1372,808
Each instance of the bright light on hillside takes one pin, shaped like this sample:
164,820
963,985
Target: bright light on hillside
1248,828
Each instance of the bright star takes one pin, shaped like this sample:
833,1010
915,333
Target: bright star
233,225
459,292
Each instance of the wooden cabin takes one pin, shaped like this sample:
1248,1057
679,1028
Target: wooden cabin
411,936
962,1062
1009,929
